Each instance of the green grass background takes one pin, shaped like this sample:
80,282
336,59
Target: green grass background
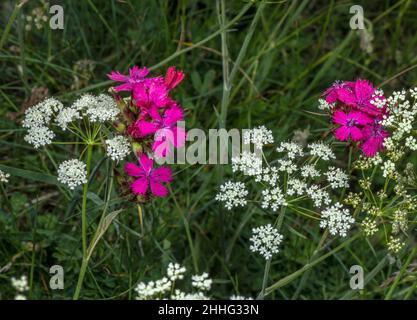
298,48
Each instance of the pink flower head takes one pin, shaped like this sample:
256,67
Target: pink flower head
360,98
331,93
173,78
150,95
146,175
167,133
350,124
374,137
135,76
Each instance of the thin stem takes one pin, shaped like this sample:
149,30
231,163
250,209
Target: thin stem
84,223
400,274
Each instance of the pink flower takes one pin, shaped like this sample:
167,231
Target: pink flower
151,95
173,78
374,137
331,93
166,132
146,175
135,76
350,124
360,98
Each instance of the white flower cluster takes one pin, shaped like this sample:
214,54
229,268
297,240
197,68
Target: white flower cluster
233,194
395,244
117,148
273,198
160,288
337,220
37,119
337,178
318,195
269,175
237,297
152,288
259,136
378,100
4,177
296,187
201,282
324,105
175,271
180,295
72,173
401,122
101,108
321,150
309,171
20,284
248,163
266,241
369,227
292,149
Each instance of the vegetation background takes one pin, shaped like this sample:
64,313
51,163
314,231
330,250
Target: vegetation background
296,50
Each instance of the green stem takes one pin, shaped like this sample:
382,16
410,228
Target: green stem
401,273
84,223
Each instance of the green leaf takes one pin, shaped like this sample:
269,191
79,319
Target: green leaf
31,175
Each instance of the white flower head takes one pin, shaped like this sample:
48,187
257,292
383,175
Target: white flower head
152,288
296,187
321,150
103,109
395,244
248,163
4,177
20,284
324,105
237,297
318,195
266,241
232,194
292,149
201,282
117,148
259,136
337,178
66,116
180,295
175,271
337,219
41,114
273,198
309,171
72,173
39,136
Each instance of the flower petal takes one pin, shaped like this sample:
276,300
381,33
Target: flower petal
173,115
346,96
363,90
339,117
140,186
161,174
133,170
145,162
342,133
356,133
146,128
158,189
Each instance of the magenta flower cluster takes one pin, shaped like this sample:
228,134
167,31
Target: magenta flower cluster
151,118
357,110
